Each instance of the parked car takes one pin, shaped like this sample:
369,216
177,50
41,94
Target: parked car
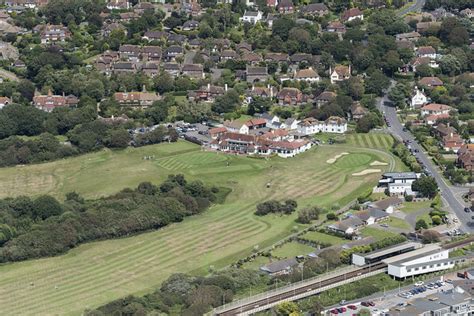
365,304
419,283
334,311
467,210
353,307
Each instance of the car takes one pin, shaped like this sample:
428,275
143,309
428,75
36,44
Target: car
467,210
353,307
448,281
365,304
342,302
472,217
371,303
384,225
342,309
419,283
334,311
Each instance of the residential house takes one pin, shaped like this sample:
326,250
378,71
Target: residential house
358,111
172,52
252,17
256,74
290,96
136,99
49,102
195,71
286,7
442,130
303,58
4,101
281,267
418,61
315,9
411,36
215,132
270,119
426,51
335,124
172,69
262,92
276,57
433,119
109,27
311,126
151,69
422,27
251,58
243,48
452,142
229,54
397,183
435,109
209,93
466,158
430,82
290,123
51,33
124,67
325,97
118,5
387,205
286,149
155,36
372,216
308,75
190,25
336,27
418,98
352,14
340,73
348,227
272,3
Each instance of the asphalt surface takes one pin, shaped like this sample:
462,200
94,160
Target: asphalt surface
417,6
452,200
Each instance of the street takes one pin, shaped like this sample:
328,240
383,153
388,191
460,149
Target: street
450,195
417,6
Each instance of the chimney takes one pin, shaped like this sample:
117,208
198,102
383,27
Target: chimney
253,87
225,87
208,87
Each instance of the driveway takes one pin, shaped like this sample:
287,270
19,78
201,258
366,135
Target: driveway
453,201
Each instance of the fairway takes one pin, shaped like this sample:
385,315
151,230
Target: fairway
371,140
96,273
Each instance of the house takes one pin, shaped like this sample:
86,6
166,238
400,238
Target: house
336,27
352,14
442,130
418,98
299,58
315,9
262,92
272,3
195,71
358,111
118,5
251,58
124,67
387,205
252,17
51,33
308,75
172,69
340,73
426,51
110,27
287,149
229,54
418,61
422,27
276,57
348,227
286,7
325,97
256,74
4,101
465,158
452,142
151,69
371,216
290,96
243,47
334,124
190,25
172,52
49,102
136,99
397,183
290,123
155,36
411,36
270,118
433,119
430,82
215,132
311,126
209,93
435,109
281,267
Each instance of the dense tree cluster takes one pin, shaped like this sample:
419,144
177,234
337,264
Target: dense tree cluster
39,227
273,206
426,186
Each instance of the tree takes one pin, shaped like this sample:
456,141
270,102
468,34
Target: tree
450,65
118,138
287,308
397,96
163,82
46,206
226,103
308,214
377,82
421,224
367,122
259,105
426,186
430,236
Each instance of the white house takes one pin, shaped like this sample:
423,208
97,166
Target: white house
290,123
340,73
252,17
334,124
397,183
236,127
287,149
428,259
426,51
418,99
307,75
387,205
435,109
4,101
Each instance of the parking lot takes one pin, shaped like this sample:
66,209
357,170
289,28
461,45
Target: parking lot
399,297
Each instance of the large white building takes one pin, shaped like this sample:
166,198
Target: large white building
311,126
252,17
418,99
397,183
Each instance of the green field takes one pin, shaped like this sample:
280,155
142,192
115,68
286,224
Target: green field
323,238
96,273
370,140
292,249
377,233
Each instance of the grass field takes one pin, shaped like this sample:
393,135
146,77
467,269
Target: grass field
292,249
398,223
377,233
96,273
370,140
323,238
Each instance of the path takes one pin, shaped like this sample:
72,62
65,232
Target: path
417,6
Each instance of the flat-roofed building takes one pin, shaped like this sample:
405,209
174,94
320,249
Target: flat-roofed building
361,259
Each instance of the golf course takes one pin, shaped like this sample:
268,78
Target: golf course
96,273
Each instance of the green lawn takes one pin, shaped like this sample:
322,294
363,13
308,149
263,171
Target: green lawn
323,238
371,140
256,263
411,207
292,249
95,273
398,223
377,233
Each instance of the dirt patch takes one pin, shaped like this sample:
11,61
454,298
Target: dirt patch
333,160
378,163
367,171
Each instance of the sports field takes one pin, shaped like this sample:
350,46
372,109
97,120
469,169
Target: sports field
99,272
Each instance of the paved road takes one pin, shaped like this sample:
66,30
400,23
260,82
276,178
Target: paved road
452,200
417,6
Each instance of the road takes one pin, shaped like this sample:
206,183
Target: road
417,6
449,194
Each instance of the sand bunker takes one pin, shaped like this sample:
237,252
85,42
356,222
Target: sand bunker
367,171
333,160
378,163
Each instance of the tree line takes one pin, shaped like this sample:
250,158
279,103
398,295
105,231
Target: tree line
43,226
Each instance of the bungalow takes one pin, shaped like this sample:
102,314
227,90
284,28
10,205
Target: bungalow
411,36
336,27
340,73
442,130
136,99
308,75
155,36
215,132
430,82
418,98
251,58
53,33
252,17
387,205
349,226
237,127
452,142
4,101
358,111
286,149
281,267
172,69
433,119
372,216
276,57
228,54
256,74
299,58
435,109
418,61
190,25
352,14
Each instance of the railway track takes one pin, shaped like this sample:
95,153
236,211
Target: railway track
291,293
